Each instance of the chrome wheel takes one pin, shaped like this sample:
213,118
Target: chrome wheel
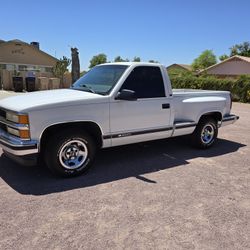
73,154
207,134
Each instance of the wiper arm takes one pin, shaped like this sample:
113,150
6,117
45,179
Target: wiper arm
88,88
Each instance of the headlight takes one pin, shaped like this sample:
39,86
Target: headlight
22,133
20,126
13,131
17,118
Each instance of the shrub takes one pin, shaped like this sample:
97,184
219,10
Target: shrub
240,88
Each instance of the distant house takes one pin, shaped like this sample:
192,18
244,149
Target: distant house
21,56
22,59
179,67
232,67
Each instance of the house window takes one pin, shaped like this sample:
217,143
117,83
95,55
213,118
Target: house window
48,69
10,67
2,66
45,69
22,67
42,69
33,68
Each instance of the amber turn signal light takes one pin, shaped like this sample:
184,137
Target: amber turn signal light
23,119
24,134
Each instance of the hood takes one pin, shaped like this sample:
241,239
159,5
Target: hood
48,98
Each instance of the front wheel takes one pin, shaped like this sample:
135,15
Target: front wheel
205,133
70,153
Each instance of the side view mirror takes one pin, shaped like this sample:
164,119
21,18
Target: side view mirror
126,94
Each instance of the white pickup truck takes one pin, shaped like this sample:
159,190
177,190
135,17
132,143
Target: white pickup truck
113,104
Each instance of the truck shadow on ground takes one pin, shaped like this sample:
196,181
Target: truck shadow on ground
111,165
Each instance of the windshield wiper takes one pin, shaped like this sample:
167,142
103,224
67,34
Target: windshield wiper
88,88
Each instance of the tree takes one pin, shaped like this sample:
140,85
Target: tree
61,67
233,50
136,59
205,59
75,66
153,61
242,49
179,73
98,59
119,59
223,57
83,73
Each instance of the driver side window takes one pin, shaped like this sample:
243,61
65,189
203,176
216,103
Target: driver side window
146,81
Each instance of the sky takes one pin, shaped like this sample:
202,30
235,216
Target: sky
166,31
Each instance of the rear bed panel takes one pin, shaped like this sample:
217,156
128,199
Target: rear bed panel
190,105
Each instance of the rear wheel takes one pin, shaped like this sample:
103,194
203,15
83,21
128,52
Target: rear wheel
205,133
70,153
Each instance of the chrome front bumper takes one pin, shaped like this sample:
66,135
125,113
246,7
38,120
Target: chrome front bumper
229,119
16,146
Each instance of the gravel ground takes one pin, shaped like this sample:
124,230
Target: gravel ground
154,195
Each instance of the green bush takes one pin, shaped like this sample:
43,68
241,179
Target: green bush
240,88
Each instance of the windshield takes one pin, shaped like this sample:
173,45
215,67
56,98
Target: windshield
101,79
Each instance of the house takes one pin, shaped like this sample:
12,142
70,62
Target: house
18,56
232,67
179,67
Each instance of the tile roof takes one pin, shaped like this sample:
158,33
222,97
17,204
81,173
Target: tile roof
245,58
184,66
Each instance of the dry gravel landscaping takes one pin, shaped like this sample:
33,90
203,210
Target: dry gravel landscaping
154,195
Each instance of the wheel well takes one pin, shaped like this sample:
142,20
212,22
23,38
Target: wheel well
90,127
215,115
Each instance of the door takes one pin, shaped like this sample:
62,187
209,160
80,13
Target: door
146,118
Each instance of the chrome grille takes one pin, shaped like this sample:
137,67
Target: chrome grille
3,127
3,115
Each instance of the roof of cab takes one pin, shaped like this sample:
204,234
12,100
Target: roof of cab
131,63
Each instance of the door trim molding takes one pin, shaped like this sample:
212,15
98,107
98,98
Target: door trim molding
148,131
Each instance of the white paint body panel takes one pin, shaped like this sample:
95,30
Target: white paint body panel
133,116
47,108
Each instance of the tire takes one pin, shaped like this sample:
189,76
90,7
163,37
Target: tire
205,133
70,153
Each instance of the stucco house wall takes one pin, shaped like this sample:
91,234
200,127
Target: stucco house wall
24,54
232,67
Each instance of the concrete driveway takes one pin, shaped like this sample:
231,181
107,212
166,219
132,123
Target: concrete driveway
155,195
